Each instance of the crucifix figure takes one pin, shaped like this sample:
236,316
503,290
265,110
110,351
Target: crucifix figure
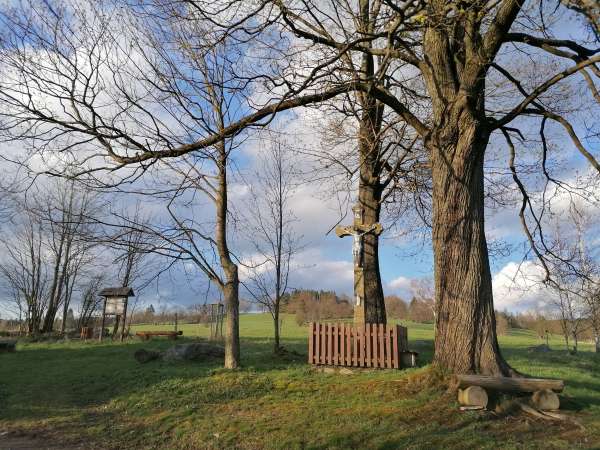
357,230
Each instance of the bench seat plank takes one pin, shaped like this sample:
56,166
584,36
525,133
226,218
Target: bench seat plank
510,384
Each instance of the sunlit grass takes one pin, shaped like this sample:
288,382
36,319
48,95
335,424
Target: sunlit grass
97,393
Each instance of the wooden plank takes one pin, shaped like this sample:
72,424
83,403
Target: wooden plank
354,332
510,384
329,343
344,347
374,345
348,345
341,341
360,357
317,343
159,333
396,354
362,347
367,335
373,337
335,343
311,337
381,345
388,347
342,354
323,343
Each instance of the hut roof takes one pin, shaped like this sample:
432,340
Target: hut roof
117,292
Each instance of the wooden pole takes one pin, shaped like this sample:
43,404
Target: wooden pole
103,320
124,318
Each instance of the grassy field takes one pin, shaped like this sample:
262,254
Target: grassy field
96,396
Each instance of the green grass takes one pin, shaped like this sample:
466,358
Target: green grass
96,394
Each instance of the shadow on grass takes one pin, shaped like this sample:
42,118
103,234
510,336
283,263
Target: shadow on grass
40,380
582,389
43,379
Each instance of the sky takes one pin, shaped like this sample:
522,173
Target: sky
325,261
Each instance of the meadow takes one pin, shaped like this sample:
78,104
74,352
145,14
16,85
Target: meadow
95,395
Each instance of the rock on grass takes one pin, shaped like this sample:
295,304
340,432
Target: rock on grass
193,352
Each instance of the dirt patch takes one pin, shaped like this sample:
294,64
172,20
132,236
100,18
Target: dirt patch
9,441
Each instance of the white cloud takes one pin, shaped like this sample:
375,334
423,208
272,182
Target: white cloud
313,270
518,288
400,286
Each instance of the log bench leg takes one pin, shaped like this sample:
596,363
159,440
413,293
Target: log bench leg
473,396
545,400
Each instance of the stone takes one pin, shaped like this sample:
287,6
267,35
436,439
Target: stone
545,400
543,348
143,356
346,371
8,346
193,351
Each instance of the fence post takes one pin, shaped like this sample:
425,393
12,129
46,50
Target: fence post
311,336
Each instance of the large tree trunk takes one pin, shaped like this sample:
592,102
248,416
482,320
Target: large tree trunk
369,198
466,328
454,69
369,186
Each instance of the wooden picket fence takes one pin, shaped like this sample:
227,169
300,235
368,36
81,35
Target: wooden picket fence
371,345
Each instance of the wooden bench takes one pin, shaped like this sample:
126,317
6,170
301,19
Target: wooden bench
146,335
472,389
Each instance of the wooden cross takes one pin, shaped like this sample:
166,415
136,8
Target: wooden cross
357,230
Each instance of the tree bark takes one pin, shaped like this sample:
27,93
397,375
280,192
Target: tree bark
369,186
232,327
370,200
466,327
466,340
276,344
230,287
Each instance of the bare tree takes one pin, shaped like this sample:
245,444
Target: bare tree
593,305
423,290
133,247
459,58
457,55
270,228
52,233
24,271
64,210
575,275
90,301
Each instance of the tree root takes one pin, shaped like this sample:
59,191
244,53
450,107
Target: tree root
548,415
